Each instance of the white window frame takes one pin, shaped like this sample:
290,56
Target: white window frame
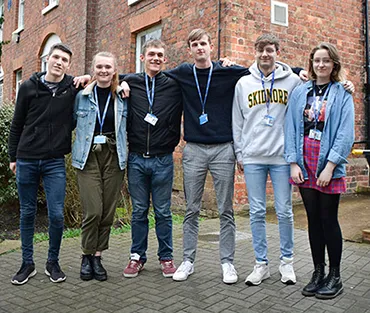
140,40
52,4
53,39
20,19
1,85
131,2
18,80
273,18
1,14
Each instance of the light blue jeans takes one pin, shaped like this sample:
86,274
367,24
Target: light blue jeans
256,178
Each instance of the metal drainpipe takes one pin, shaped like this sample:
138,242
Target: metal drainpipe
367,54
219,30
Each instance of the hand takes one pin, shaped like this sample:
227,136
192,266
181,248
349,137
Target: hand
296,173
325,177
240,167
348,86
13,167
81,80
226,62
125,93
303,75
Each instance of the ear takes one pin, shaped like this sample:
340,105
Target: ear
165,59
142,57
211,46
278,52
189,51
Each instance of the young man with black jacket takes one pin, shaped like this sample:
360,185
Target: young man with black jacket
40,136
153,126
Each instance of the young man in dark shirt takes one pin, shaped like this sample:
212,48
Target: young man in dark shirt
40,136
154,118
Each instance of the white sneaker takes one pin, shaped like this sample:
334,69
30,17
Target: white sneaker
260,273
183,271
287,271
230,276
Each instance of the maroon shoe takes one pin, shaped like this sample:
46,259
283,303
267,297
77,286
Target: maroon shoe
168,268
133,268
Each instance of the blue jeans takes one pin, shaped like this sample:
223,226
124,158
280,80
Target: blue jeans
53,174
151,176
255,178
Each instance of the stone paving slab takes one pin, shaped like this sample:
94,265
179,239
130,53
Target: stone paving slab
202,292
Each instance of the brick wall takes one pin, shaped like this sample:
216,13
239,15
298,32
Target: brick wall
68,21
96,25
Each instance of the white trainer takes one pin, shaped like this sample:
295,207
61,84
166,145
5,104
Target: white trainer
230,276
260,273
183,271
287,272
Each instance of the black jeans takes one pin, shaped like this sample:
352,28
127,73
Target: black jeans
323,226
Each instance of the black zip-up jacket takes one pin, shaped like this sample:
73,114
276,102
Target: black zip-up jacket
43,121
143,138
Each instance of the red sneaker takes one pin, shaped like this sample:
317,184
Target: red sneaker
168,268
133,268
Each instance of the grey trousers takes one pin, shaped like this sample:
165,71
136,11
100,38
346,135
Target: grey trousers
99,183
219,159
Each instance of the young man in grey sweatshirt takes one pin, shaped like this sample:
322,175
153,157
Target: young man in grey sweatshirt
259,106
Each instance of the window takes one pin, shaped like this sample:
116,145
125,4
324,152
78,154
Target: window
151,33
1,16
51,5
18,80
20,21
21,14
279,13
53,39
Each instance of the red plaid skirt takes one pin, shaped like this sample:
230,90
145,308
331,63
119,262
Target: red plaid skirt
311,151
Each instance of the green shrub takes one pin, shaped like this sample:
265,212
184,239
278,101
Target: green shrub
8,188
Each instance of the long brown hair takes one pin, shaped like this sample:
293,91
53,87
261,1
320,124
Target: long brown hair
337,73
114,84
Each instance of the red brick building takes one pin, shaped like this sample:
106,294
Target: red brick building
89,26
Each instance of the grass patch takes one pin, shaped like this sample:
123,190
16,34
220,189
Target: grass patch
76,232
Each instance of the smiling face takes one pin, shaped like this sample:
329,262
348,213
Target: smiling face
201,50
153,59
58,64
266,56
104,69
322,66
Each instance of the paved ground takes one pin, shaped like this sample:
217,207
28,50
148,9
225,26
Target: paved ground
202,292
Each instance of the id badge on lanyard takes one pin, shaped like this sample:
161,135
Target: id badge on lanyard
203,118
268,120
150,117
101,139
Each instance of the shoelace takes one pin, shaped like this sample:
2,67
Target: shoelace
185,267
230,270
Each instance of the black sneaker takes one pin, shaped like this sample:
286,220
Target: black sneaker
27,271
54,272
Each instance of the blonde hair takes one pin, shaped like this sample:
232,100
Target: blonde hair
106,54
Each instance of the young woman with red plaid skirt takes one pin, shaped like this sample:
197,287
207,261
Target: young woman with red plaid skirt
319,133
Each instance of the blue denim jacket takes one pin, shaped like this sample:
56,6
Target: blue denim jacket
85,114
338,133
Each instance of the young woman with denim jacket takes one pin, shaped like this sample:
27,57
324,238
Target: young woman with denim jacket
319,133
99,154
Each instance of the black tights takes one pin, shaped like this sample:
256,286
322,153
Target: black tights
323,226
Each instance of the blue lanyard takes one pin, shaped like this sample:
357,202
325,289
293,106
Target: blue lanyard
316,109
150,93
203,101
101,119
268,101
